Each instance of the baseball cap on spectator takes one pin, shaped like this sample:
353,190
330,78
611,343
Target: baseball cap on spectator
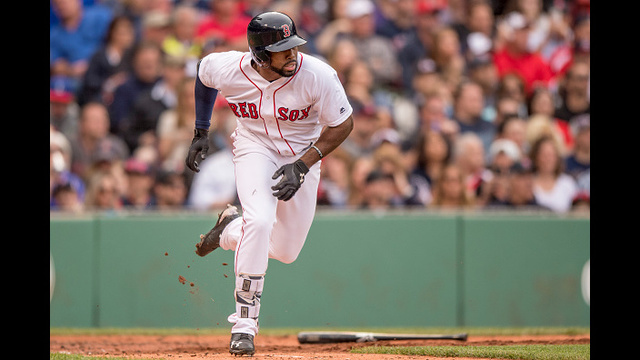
386,134
516,21
579,123
581,196
107,152
136,166
506,146
360,108
60,90
518,168
358,8
479,44
156,19
430,6
426,65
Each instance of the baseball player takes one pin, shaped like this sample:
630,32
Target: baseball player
282,99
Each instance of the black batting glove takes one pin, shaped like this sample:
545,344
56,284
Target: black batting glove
292,177
198,149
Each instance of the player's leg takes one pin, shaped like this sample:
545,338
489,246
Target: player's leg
250,235
294,218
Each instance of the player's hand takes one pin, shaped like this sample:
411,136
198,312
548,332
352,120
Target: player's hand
292,177
198,149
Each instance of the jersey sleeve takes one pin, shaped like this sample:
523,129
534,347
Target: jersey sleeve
333,105
216,68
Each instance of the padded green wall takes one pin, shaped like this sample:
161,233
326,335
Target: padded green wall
355,270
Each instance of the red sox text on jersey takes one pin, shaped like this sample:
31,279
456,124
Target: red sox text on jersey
250,110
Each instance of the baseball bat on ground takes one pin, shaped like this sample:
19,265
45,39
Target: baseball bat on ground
323,337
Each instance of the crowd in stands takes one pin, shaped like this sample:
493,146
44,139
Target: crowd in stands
458,104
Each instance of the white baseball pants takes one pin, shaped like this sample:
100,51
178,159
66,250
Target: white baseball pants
268,228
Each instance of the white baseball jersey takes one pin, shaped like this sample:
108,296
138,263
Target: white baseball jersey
285,115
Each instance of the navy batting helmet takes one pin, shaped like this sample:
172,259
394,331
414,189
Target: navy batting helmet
271,32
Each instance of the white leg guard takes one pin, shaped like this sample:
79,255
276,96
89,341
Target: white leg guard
247,295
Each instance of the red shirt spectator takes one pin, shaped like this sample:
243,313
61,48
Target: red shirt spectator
227,25
514,57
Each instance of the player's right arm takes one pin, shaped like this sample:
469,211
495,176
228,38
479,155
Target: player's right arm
205,98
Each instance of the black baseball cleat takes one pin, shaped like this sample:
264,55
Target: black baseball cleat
211,240
242,344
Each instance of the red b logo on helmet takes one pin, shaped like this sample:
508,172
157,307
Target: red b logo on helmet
285,29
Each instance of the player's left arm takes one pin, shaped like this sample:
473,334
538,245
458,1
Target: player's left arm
293,174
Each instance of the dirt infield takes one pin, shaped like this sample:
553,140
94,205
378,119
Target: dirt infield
201,347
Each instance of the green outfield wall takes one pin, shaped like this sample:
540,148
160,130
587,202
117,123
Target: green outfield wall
355,270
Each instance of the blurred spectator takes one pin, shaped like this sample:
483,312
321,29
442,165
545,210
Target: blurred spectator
93,140
552,187
515,56
427,81
135,10
169,191
365,124
63,109
450,191
433,153
377,51
467,112
359,26
541,102
579,159
539,126
447,55
512,86
342,55
520,195
574,92
549,27
338,23
514,129
156,26
226,23
361,168
59,175
214,186
505,107
395,20
181,41
503,153
107,159
433,117
140,181
109,64
65,198
479,19
379,192
410,190
76,37
334,179
469,155
359,82
146,71
175,127
139,127
483,71
392,111
103,193
420,41
255,7
578,48
581,203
